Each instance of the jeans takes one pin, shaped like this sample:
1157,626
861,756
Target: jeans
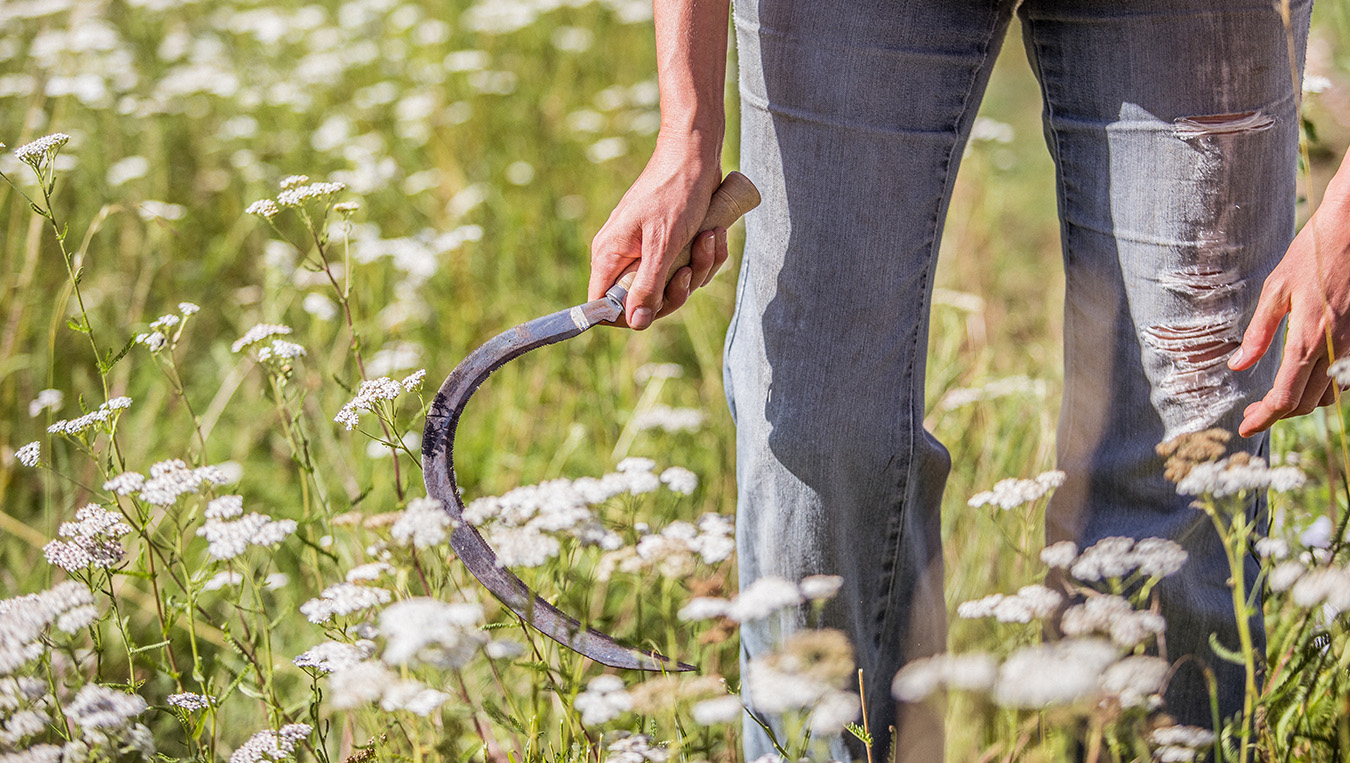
1173,128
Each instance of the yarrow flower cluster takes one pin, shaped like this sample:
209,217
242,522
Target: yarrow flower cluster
297,195
425,523
1011,493
967,672
332,656
258,333
371,393
668,419
343,599
37,152
810,672
169,480
280,350
46,400
229,533
93,540
1240,473
603,700
189,701
628,747
1032,602
30,454
104,417
674,551
69,606
1112,616
264,208
1116,558
268,746
1179,744
762,598
422,631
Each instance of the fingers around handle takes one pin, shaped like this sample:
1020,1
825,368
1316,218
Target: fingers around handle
732,199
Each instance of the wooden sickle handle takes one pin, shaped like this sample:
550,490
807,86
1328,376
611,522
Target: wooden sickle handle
732,199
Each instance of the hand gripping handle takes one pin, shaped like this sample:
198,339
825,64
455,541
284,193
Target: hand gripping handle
732,199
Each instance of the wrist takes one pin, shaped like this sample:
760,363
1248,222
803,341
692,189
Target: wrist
700,144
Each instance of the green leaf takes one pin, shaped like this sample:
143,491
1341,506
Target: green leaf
149,647
77,326
858,732
122,353
1224,653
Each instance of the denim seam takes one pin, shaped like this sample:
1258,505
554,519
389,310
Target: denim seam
1067,408
895,533
742,278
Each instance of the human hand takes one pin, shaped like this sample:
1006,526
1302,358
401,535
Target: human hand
654,220
1312,286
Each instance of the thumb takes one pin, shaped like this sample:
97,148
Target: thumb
644,298
1270,310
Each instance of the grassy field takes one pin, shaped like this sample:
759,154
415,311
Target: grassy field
483,145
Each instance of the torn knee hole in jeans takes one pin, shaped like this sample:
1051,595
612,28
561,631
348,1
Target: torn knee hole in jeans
1197,350
1202,281
1222,124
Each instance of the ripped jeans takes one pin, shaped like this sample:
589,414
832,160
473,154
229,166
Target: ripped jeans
1173,128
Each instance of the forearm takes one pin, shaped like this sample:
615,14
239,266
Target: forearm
691,59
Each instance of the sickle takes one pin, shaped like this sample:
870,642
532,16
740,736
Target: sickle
736,196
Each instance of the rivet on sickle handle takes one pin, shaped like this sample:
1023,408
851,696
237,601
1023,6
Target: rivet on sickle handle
736,196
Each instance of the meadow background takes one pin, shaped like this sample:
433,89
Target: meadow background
484,143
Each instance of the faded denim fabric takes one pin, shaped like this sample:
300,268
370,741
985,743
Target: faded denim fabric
1173,127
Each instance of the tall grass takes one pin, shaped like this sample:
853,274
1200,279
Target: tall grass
482,146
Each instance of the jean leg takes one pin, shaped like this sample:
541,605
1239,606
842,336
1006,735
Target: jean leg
1174,130
853,120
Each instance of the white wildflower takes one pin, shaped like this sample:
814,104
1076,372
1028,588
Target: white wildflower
921,677
1051,674
280,349
668,419
221,580
425,523
413,381
522,546
298,195
603,700
1340,371
346,207
1158,557
651,371
680,480
369,571
413,696
228,538
189,701
503,649
717,710
635,464
1011,493
188,309
369,395
125,483
265,208
1318,534
1032,602
98,707
39,151
77,618
1272,548
703,608
332,656
1285,574
224,507
291,181
268,745
105,416
1111,616
46,400
764,597
1136,680
30,454
1237,474
635,748
258,333
153,341
92,540
1107,558
427,631
1193,737
342,599
319,306
1060,555
819,587
833,711
1322,585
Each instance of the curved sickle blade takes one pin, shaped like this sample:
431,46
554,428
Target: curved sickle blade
438,471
